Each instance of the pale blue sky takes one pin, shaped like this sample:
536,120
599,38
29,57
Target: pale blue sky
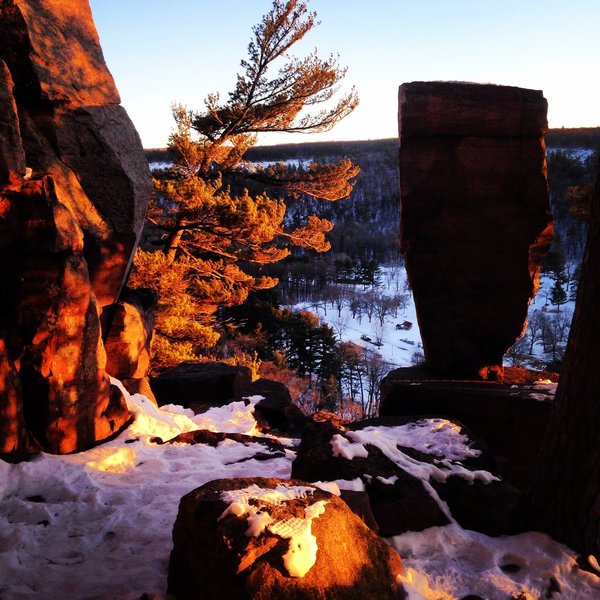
160,51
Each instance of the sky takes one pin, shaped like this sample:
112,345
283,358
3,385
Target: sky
165,51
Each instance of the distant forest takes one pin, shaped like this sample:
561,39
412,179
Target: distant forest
580,137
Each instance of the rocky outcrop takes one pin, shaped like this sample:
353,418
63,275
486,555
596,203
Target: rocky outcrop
201,385
74,129
275,540
74,185
475,219
510,415
391,478
127,328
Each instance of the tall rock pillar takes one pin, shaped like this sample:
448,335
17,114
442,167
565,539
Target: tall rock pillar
475,217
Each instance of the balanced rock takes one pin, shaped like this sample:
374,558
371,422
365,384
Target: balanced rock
475,217
276,539
74,185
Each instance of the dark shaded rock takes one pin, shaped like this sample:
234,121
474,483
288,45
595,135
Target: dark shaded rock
200,385
213,557
16,443
12,155
401,506
475,219
510,417
478,506
360,504
273,449
276,410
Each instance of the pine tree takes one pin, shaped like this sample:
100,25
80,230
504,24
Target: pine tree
558,295
215,231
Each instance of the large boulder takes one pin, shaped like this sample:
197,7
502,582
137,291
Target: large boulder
49,320
475,217
74,184
276,539
74,129
201,385
395,463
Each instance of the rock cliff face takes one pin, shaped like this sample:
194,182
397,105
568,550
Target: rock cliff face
74,185
475,220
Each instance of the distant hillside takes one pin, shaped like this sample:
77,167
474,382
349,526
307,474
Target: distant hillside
580,137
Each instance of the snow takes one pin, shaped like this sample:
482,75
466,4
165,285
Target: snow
343,448
431,435
97,524
302,551
450,562
398,346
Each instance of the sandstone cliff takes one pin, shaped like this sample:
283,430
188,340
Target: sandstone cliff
74,185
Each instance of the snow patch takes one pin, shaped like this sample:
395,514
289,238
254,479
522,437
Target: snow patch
345,449
302,550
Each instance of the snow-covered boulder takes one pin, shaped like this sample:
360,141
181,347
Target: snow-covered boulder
276,539
414,471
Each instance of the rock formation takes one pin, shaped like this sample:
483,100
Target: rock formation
392,474
127,328
475,219
74,185
276,539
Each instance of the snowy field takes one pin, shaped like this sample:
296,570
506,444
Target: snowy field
401,348
398,345
97,525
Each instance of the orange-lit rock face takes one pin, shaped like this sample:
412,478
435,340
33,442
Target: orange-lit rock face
74,184
73,128
66,65
219,552
50,317
475,220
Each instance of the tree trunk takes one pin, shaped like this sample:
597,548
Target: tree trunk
564,497
173,245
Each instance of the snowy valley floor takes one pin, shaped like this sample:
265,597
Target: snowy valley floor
97,525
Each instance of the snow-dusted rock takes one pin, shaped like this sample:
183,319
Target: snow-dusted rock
276,539
403,465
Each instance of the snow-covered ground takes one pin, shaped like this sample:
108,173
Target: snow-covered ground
97,525
398,345
401,348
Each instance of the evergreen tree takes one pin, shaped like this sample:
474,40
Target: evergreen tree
558,295
213,228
